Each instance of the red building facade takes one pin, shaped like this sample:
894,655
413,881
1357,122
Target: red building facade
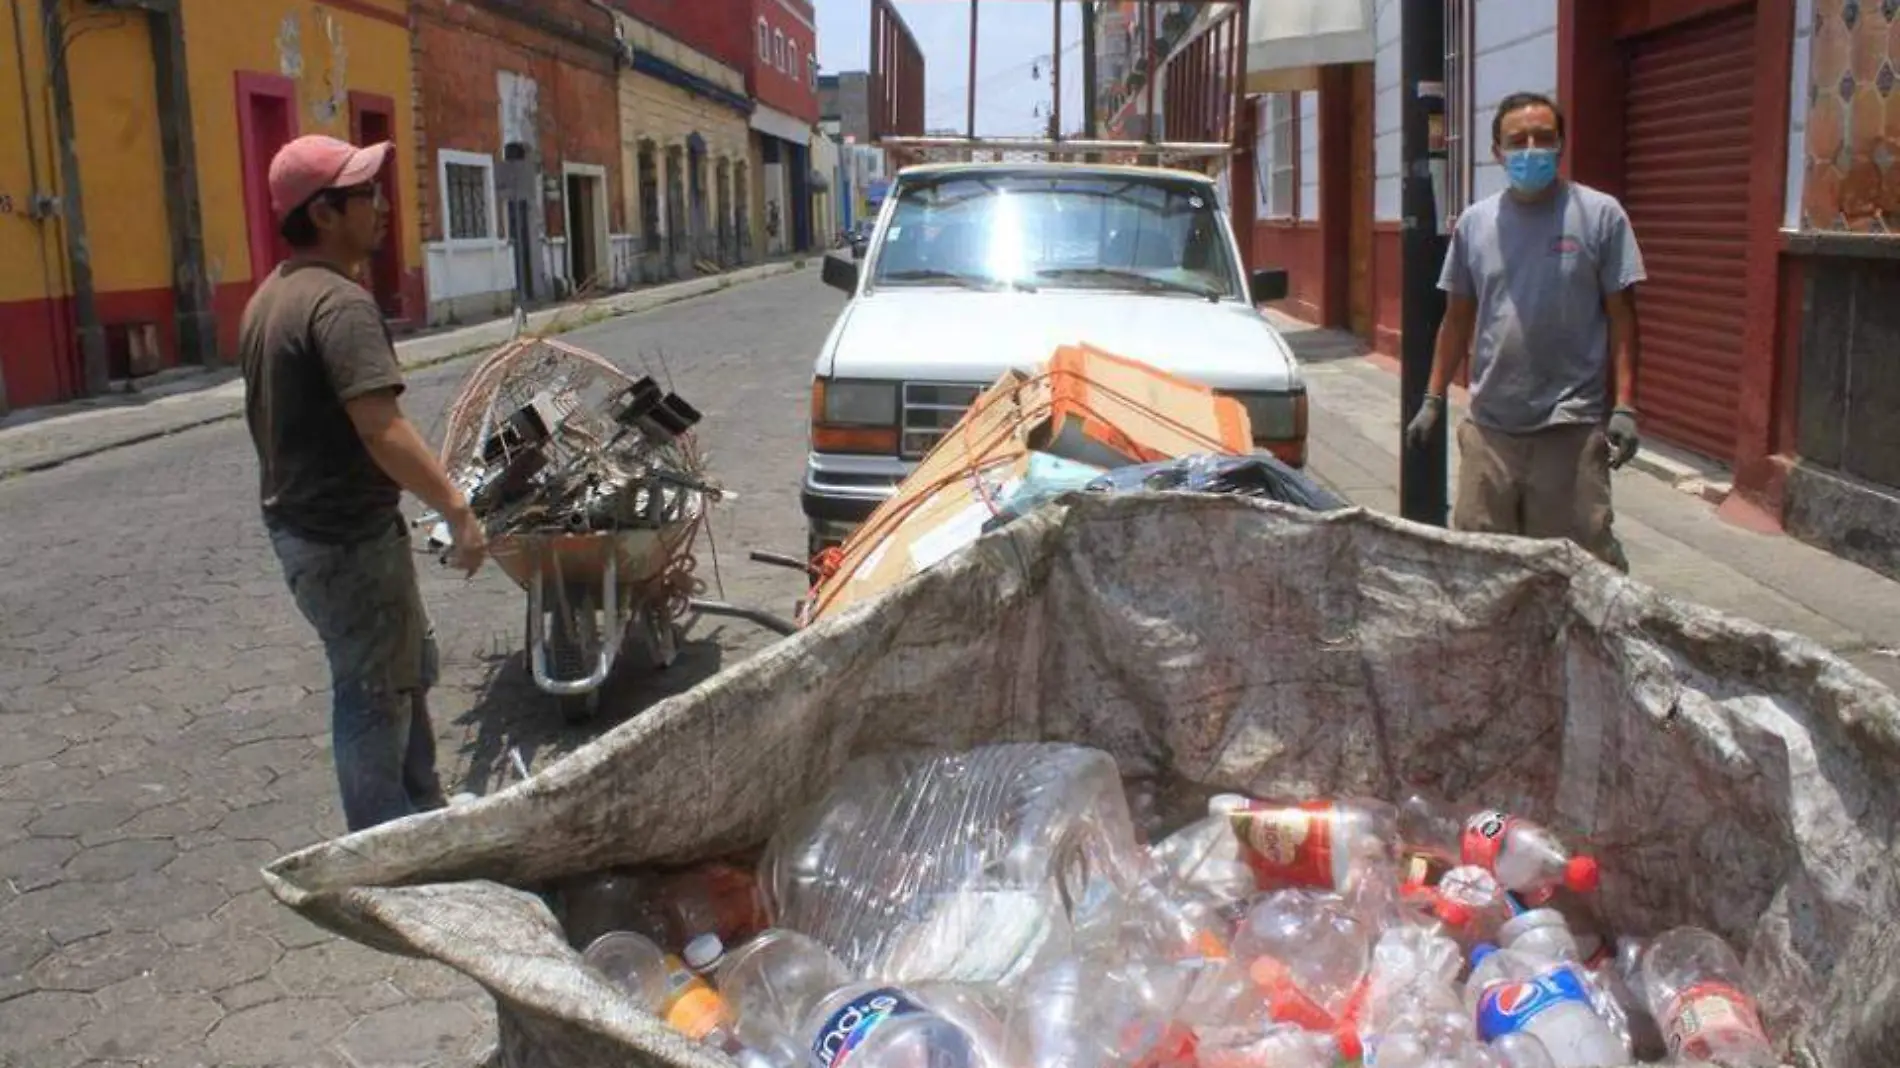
519,174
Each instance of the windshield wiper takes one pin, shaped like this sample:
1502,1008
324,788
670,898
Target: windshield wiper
967,281
1145,282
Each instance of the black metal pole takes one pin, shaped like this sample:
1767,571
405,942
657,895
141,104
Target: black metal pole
1422,469
1088,70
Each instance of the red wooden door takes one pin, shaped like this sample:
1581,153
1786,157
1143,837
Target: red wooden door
373,120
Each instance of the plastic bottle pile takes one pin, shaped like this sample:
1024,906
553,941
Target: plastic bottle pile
994,909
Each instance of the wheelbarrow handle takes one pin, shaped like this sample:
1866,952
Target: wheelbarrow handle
790,563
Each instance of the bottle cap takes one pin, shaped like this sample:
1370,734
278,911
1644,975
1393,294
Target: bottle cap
1581,875
1481,952
704,951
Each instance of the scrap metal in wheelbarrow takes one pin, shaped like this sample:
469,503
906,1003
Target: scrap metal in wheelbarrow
592,492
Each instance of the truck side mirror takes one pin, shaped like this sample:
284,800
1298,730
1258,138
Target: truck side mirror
1268,285
841,273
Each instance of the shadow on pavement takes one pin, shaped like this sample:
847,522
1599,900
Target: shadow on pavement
510,711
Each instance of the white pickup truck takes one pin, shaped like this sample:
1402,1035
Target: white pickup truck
977,268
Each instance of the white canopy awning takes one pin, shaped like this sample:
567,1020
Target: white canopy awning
1287,36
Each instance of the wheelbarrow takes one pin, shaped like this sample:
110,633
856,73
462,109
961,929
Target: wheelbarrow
589,596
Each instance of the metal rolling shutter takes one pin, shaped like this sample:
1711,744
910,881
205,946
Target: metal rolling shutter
1686,172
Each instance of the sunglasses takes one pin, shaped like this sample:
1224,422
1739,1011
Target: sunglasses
339,197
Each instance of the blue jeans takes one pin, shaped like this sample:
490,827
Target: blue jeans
364,602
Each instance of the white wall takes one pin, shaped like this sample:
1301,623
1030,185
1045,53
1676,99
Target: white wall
1798,112
1309,156
1386,114
1514,47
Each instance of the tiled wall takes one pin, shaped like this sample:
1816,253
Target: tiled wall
1853,127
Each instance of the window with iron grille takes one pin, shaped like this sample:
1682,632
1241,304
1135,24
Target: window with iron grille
765,42
1277,154
648,179
466,190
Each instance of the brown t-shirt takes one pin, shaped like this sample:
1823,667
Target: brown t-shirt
312,339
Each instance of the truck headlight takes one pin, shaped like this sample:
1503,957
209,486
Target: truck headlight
842,403
854,417
1279,423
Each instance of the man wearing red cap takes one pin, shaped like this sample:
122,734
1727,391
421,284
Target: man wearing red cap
335,451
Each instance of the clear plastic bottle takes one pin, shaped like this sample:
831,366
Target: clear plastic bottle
1205,856
900,835
665,986
874,1025
1306,946
1543,935
1621,975
1052,1020
1528,859
1280,1046
1696,992
772,983
1510,993
1316,845
1413,969
633,962
1470,902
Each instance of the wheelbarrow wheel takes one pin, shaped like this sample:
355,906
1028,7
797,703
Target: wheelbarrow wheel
572,644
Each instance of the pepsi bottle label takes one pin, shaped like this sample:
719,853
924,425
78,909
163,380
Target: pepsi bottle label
1508,1007
847,1028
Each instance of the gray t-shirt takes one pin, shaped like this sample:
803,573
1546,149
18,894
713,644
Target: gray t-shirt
1539,273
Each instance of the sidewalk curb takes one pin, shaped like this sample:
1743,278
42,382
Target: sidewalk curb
422,353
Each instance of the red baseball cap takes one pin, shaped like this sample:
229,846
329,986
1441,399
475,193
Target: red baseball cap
309,165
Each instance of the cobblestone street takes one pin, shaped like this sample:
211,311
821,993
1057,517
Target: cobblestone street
165,715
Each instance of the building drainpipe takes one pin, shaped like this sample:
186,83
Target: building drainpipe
92,335
191,284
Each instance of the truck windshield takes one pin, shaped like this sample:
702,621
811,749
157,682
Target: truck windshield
1030,231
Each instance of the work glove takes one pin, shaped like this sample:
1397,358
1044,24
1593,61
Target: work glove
1419,430
1623,437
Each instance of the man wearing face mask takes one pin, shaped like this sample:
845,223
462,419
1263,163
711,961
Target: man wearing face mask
1539,281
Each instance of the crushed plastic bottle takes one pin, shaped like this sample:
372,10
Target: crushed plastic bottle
1621,975
1308,953
1205,856
1280,1046
1527,859
1510,993
883,856
1696,992
1469,901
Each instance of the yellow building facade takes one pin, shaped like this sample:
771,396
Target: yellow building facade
168,119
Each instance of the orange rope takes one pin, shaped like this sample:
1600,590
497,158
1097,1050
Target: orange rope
884,522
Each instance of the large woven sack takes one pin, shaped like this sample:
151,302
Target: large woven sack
1725,775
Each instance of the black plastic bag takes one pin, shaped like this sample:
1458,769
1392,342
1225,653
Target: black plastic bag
1258,475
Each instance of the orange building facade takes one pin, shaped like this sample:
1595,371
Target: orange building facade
172,118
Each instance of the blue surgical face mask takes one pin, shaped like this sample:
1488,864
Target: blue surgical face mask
1531,170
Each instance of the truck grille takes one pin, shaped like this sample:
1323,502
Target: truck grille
930,410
